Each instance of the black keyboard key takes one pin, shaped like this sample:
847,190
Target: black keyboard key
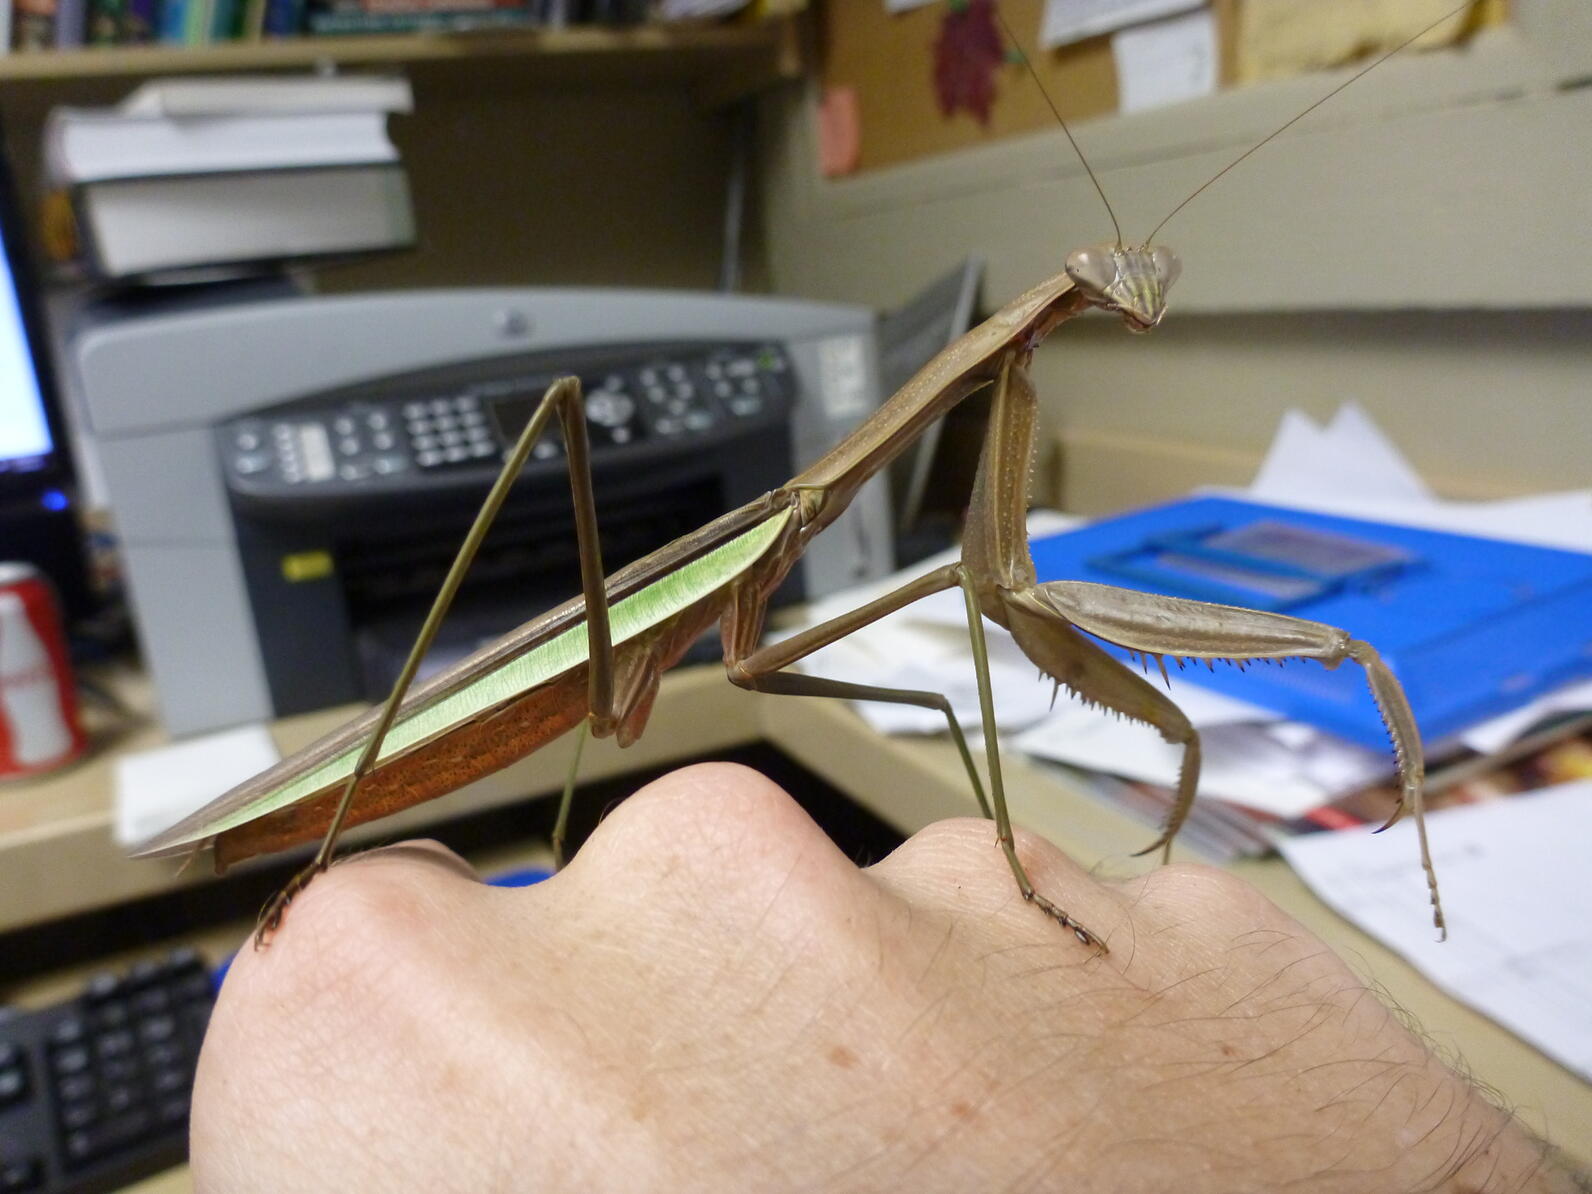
170,1081
20,1177
76,1086
75,1116
151,1002
111,1016
144,974
120,1099
121,1069
74,1059
13,1080
69,1030
102,987
156,1030
114,1044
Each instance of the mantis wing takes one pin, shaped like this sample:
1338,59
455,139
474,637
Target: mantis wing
533,657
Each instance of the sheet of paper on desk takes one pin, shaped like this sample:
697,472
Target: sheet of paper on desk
157,788
1513,876
1350,467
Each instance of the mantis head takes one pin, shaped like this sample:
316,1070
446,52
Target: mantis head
1131,281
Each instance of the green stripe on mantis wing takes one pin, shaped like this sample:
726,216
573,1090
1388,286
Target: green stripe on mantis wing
628,618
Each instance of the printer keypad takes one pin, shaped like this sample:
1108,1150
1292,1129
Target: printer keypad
664,398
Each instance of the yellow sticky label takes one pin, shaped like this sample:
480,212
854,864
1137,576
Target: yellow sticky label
307,565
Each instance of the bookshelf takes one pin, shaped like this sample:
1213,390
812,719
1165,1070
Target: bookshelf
717,64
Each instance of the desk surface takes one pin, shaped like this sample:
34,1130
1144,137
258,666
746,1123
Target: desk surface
57,856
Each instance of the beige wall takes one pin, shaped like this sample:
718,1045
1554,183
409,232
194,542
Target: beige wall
1419,247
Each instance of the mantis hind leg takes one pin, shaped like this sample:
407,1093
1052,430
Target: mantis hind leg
764,670
562,399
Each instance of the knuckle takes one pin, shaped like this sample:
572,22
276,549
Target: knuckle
964,852
712,842
705,813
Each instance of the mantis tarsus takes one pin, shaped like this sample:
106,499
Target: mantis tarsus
595,662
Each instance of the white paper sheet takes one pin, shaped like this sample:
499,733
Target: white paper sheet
1067,21
1519,910
1349,455
157,788
1166,62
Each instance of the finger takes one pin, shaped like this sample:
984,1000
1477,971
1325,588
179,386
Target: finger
958,865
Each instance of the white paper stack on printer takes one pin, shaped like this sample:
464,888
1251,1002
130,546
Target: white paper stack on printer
1253,757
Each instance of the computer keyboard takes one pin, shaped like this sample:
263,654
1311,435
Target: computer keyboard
94,1091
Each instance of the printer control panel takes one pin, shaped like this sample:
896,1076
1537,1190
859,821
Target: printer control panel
385,437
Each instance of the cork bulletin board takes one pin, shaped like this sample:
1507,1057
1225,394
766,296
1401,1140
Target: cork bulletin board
879,68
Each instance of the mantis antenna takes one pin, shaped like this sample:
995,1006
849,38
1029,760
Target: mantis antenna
1364,70
1054,111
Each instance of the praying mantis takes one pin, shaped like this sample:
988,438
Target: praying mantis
595,662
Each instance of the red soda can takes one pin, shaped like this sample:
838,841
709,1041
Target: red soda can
39,725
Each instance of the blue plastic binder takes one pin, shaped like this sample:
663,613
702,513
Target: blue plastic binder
1472,627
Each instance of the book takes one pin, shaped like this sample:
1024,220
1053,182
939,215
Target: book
139,22
264,95
170,225
172,24
71,23
285,18
105,18
34,24
92,144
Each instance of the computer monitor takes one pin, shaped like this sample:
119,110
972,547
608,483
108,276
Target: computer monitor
37,522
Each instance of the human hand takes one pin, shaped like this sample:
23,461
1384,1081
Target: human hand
711,997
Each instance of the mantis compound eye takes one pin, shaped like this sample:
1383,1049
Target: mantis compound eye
1094,271
1168,266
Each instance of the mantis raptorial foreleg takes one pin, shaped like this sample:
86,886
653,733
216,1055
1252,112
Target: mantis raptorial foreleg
1176,626
563,398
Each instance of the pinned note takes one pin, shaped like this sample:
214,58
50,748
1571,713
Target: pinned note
1167,62
1067,21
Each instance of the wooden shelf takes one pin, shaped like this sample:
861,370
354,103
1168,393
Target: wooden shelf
720,63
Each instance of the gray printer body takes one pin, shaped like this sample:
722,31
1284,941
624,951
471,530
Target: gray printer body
248,540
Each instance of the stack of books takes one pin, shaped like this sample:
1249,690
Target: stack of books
69,24
204,177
